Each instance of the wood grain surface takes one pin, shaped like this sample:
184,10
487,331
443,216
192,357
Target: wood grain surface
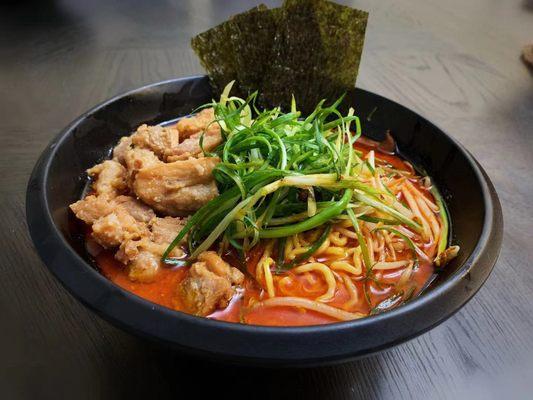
455,62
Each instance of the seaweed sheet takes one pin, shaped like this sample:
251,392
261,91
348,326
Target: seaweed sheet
218,48
309,48
253,33
318,47
342,28
298,58
216,55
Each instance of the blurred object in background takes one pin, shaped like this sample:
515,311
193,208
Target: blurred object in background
527,55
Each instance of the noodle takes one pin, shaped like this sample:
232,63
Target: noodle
336,239
435,227
426,233
346,267
394,186
310,305
402,209
415,191
388,241
297,251
328,276
338,252
347,233
381,242
268,277
357,260
390,265
352,290
343,253
282,285
370,243
262,269
288,250
323,247
430,204
406,275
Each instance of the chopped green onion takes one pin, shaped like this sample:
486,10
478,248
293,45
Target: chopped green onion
361,240
267,159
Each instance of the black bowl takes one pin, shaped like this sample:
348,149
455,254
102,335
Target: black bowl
59,177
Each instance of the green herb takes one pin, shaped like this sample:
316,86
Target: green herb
376,220
282,243
443,240
262,175
366,293
361,240
379,205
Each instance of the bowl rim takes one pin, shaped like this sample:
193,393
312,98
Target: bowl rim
36,195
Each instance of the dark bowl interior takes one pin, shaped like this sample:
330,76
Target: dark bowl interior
59,179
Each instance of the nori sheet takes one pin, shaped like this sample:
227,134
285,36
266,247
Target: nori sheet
216,55
217,50
343,28
253,33
309,48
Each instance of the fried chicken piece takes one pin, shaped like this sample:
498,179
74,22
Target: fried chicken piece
119,152
197,123
162,140
178,188
93,207
137,159
220,267
109,178
143,256
191,130
209,285
144,267
115,228
138,210
190,147
114,219
164,230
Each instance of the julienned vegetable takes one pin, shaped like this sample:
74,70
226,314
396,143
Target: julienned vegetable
268,160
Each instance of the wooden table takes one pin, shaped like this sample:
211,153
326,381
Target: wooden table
455,62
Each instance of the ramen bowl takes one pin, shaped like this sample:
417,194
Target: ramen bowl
59,179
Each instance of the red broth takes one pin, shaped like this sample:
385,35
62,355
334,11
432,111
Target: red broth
162,291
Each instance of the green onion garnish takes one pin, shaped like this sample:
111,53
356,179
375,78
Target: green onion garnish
268,159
